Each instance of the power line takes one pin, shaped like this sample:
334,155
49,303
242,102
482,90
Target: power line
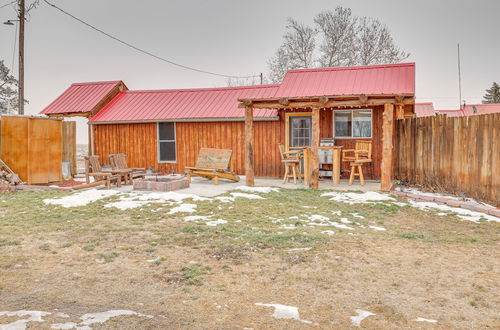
8,4
142,50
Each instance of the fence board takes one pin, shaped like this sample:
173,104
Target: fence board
457,155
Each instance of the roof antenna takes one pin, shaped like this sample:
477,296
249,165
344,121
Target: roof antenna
459,79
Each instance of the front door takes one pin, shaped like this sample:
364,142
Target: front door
300,131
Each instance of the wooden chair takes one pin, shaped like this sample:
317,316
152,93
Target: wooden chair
93,168
214,164
119,162
291,160
361,154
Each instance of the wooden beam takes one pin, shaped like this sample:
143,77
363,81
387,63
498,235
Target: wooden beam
400,112
387,148
314,150
329,104
249,159
284,101
363,99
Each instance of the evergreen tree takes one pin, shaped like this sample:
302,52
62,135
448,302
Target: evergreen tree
492,94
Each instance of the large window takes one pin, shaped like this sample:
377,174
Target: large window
353,123
166,142
300,131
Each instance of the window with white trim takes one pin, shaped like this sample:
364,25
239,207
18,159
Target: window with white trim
353,123
166,143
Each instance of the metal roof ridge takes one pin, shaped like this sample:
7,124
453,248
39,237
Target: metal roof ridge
203,89
97,82
359,67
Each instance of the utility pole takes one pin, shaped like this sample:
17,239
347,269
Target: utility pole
459,79
22,10
261,78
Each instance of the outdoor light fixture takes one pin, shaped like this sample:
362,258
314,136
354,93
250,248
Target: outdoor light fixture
9,22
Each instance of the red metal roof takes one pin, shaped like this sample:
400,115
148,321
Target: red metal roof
373,79
425,109
80,97
184,104
472,110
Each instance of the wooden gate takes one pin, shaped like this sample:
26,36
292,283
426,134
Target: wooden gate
32,148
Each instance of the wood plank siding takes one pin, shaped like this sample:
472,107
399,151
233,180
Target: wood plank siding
139,142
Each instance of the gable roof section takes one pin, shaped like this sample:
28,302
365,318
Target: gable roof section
372,79
183,104
83,98
425,109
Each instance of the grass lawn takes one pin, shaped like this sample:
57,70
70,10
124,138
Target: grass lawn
209,268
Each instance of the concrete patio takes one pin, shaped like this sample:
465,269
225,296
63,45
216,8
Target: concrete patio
204,187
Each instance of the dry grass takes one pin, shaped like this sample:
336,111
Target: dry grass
92,259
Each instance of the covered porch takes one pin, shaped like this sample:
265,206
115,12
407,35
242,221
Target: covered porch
322,113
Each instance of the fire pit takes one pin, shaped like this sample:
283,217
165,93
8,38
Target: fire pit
161,183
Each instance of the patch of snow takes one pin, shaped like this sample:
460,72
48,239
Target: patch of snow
34,316
341,226
67,325
135,199
345,220
92,318
354,198
91,179
63,315
81,198
154,260
288,226
415,191
196,217
357,215
285,312
214,223
249,196
421,319
225,199
376,228
464,214
356,320
400,204
264,190
328,232
299,249
337,213
184,208
317,217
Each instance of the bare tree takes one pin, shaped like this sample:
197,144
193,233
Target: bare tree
338,31
345,40
375,45
250,81
296,51
8,91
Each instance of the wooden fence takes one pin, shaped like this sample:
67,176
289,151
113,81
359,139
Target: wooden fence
455,155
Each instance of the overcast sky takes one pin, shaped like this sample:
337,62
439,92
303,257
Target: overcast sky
237,38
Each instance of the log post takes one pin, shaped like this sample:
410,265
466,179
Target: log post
249,160
400,114
387,148
314,150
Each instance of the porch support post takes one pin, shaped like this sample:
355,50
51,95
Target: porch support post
387,148
249,161
313,183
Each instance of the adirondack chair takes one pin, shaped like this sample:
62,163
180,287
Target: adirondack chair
213,164
119,162
361,154
93,169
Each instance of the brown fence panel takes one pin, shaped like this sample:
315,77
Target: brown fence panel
69,144
455,155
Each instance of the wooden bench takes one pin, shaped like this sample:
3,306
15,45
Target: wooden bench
214,164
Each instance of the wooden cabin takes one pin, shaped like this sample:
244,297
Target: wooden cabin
165,129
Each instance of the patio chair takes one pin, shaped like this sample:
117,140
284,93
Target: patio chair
361,154
119,162
291,160
93,169
214,164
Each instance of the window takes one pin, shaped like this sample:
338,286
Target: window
166,142
300,131
353,123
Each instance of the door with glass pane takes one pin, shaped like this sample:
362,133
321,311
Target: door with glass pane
300,131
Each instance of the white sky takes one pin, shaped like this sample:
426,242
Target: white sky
237,37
